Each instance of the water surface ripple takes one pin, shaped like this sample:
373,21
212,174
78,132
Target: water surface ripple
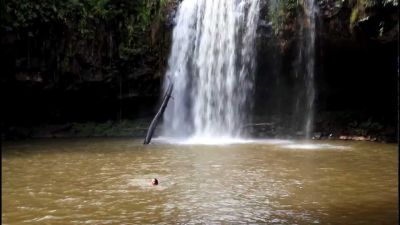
106,181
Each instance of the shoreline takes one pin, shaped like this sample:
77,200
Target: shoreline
142,133
137,128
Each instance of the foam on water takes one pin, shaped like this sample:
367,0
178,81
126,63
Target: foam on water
216,141
314,146
286,144
219,141
204,140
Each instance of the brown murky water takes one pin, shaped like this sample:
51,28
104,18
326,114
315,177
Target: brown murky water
106,181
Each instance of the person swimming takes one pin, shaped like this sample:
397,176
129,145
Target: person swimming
154,181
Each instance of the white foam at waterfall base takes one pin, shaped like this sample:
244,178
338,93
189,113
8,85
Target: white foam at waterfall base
216,141
219,141
281,143
204,140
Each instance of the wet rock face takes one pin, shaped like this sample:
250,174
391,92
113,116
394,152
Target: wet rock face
356,60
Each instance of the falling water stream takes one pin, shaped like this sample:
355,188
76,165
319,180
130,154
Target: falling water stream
310,67
294,88
211,65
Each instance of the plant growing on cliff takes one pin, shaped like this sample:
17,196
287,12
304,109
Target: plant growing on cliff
79,38
361,8
282,14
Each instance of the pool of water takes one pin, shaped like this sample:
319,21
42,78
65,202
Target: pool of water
107,181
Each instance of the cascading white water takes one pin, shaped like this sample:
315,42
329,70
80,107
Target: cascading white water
211,65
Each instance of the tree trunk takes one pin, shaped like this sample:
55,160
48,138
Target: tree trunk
157,117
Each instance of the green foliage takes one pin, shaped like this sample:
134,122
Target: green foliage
111,129
371,125
369,3
360,8
134,16
83,33
354,16
283,14
365,127
2,10
25,14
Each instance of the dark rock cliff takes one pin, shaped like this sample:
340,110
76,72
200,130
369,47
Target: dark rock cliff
356,71
82,60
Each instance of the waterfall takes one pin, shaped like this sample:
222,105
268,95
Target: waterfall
310,66
292,89
304,69
211,65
